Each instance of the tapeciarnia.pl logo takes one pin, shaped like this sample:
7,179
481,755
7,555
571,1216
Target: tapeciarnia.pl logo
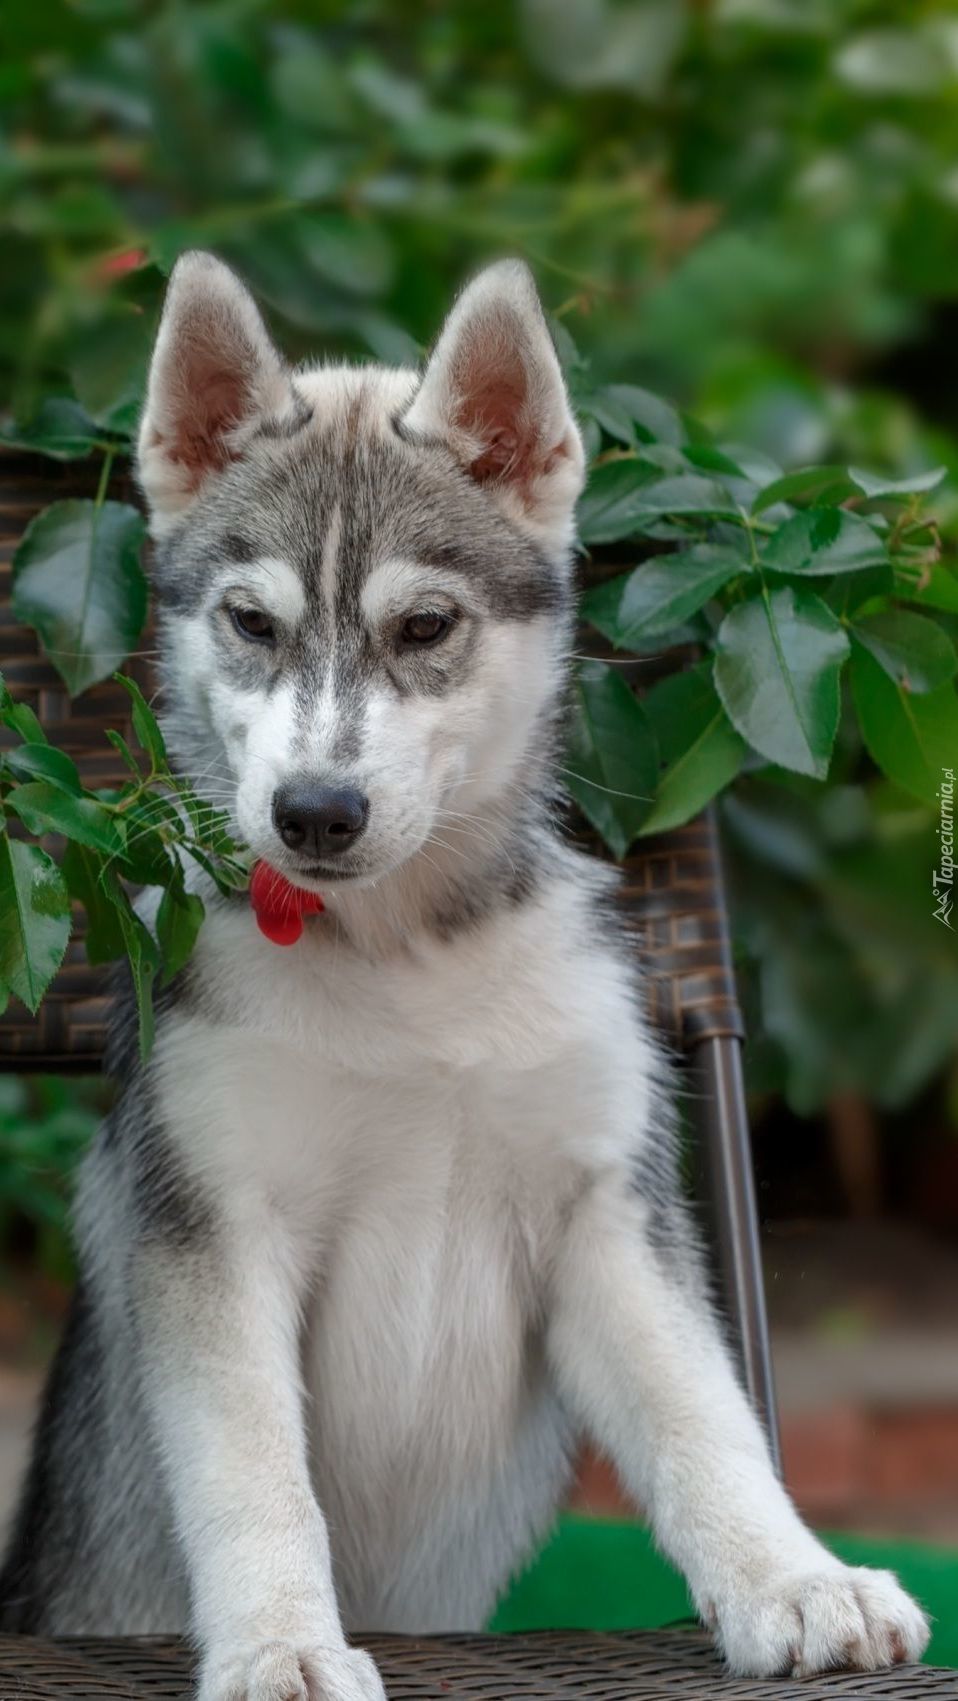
943,879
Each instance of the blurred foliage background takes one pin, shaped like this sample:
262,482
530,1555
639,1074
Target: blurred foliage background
750,206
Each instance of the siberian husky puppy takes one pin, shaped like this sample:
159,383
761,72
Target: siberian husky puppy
390,1218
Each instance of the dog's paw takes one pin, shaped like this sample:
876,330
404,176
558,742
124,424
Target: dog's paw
290,1671
822,1621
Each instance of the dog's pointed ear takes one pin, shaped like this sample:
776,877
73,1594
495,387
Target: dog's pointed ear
214,374
493,391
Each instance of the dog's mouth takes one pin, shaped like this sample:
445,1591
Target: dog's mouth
320,877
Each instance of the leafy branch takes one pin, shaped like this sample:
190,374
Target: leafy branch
144,834
787,583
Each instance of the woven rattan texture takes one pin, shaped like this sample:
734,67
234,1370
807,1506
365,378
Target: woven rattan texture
558,1665
672,890
673,900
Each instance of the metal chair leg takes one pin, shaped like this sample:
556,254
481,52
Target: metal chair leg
728,1188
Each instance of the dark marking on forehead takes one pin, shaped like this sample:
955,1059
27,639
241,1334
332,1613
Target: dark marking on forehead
355,413
235,547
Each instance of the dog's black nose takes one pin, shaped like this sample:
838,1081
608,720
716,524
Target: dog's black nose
319,820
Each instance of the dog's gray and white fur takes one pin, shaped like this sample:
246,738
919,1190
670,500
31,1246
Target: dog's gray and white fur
389,1218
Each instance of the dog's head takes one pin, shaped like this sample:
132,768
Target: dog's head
362,574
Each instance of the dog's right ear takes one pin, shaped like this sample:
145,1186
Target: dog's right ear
214,374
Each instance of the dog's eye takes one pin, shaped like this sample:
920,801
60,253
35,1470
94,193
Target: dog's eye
253,623
425,628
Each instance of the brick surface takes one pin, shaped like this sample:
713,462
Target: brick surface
825,1457
848,1466
913,1455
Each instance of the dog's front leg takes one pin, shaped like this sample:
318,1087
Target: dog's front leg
217,1323
640,1364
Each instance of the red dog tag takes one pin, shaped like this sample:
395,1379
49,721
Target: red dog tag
279,906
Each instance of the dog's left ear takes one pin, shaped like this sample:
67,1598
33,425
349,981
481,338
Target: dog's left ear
493,391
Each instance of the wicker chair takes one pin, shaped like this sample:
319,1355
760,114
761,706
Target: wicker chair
674,904
662,1665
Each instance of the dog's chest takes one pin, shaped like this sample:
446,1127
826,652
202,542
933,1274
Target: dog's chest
431,1280
423,1352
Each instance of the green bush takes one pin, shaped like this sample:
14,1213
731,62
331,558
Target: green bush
45,1125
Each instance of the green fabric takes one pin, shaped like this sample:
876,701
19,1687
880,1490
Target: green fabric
602,1575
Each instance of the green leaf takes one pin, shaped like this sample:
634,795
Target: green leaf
610,415
612,757
44,808
310,88
144,960
148,861
228,875
20,718
44,762
700,749
777,668
610,507
178,922
934,587
98,890
211,824
123,751
890,61
109,366
688,494
624,498
706,457
824,540
850,591
78,580
147,858
660,594
144,722
912,739
386,340
34,919
571,358
914,651
161,810
634,415
344,251
60,428
581,46
814,484
876,485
